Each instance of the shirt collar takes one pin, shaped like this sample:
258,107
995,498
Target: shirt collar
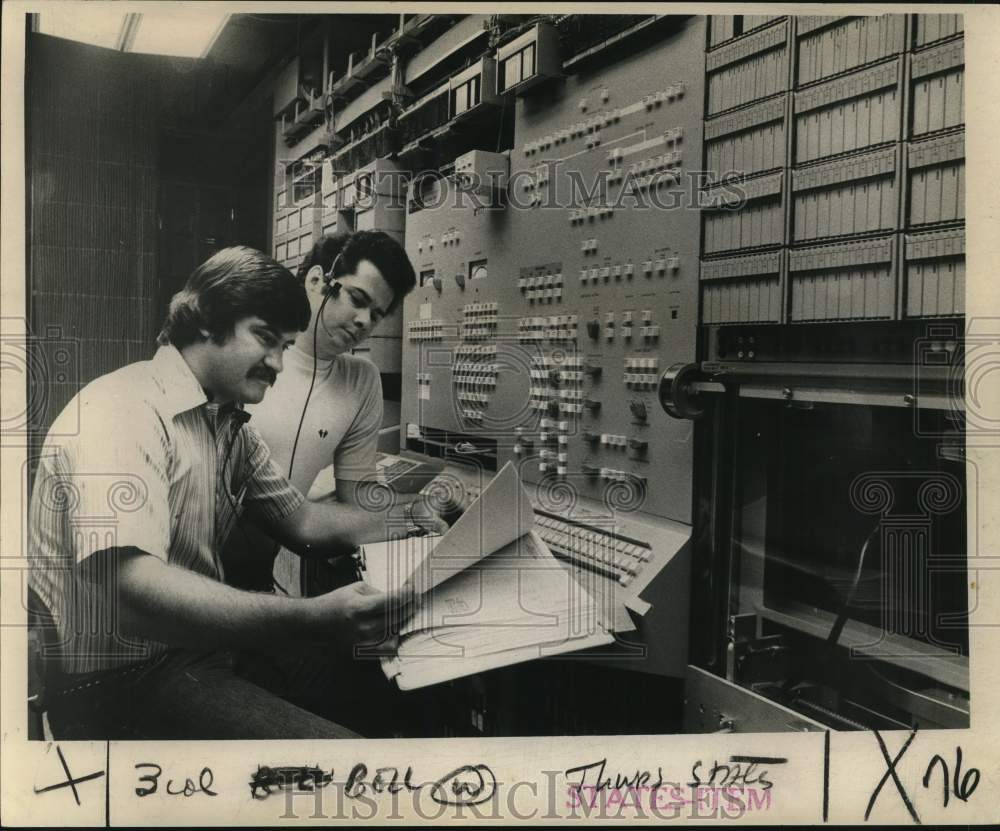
180,387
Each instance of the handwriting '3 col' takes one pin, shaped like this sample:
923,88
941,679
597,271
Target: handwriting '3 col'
189,787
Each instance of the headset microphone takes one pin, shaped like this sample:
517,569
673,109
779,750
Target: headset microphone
332,287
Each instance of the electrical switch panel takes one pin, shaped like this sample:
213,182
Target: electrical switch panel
597,226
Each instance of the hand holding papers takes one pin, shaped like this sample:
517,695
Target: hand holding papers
488,593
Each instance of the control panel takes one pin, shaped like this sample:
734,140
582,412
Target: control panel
547,309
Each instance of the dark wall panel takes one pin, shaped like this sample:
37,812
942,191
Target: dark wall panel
92,228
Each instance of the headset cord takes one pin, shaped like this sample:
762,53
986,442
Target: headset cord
312,381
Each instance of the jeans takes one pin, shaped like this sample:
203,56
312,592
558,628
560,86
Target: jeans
353,692
184,694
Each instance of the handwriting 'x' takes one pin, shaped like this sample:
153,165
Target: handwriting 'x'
71,781
891,771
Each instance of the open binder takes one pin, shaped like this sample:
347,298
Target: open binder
489,593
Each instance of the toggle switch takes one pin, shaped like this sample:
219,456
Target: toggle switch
637,448
526,442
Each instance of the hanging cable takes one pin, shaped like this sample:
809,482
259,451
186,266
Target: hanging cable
838,625
312,382
329,291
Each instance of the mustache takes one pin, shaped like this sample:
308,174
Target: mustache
264,374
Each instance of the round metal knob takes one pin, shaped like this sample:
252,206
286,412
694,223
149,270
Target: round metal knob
675,393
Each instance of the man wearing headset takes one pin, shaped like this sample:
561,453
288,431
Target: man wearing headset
142,476
326,408
326,411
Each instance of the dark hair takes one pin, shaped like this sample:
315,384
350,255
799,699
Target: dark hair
230,285
377,247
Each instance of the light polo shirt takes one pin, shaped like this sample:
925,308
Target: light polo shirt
341,423
140,458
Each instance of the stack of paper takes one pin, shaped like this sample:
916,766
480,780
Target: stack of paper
489,593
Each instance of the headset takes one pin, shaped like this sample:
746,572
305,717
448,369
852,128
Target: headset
331,288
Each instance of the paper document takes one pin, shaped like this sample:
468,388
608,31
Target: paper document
500,515
489,593
425,673
517,604
522,584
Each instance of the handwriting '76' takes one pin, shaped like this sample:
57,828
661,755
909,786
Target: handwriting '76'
961,786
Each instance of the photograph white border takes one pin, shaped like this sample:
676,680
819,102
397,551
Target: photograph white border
532,784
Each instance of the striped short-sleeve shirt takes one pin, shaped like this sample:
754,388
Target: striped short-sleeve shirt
140,458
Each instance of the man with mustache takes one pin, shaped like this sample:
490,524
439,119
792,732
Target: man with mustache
142,477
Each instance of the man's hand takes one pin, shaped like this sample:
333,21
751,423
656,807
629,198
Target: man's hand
359,615
422,516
